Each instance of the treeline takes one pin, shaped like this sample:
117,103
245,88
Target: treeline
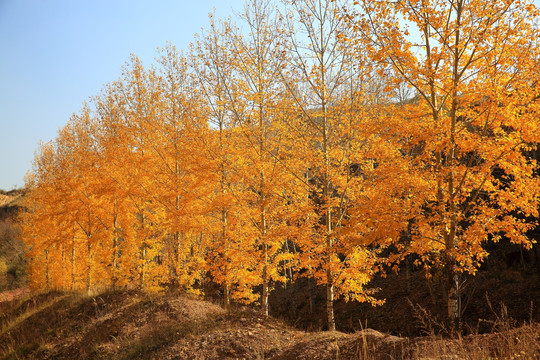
320,140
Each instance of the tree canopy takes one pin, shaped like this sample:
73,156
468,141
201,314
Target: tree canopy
321,139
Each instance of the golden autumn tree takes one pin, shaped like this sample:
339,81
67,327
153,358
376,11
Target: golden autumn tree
37,232
328,86
137,96
180,178
113,174
63,194
45,226
126,172
118,191
471,65
73,182
115,184
85,204
231,257
154,113
258,100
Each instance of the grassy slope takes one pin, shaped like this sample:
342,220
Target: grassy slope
132,325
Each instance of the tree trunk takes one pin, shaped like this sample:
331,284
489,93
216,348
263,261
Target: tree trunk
73,263
265,291
89,268
115,250
143,268
143,254
47,272
330,301
265,284
453,278
227,297
64,270
453,296
311,295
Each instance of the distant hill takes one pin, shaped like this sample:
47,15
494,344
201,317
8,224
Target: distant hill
10,202
13,192
12,262
5,200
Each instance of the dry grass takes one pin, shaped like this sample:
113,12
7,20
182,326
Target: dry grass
132,325
10,199
5,199
16,321
507,339
12,261
519,343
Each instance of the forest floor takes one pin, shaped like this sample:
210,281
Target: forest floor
134,325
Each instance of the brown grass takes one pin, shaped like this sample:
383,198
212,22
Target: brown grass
133,325
519,343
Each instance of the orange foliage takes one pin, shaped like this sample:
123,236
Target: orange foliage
263,155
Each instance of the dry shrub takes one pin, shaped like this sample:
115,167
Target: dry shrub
429,324
507,339
518,343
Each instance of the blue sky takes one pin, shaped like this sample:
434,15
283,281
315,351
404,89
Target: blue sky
55,54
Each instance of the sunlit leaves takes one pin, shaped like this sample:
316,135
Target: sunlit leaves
298,143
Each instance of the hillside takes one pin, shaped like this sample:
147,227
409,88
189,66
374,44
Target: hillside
133,325
10,202
12,262
5,199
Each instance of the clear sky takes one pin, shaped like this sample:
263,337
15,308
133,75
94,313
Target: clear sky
55,54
